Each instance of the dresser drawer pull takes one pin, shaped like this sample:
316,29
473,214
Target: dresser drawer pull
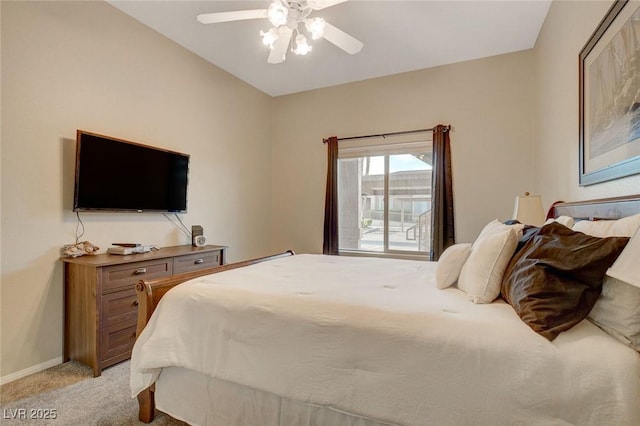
198,261
135,303
140,271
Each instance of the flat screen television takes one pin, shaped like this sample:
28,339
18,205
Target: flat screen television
117,175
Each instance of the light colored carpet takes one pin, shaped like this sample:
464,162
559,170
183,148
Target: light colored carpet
76,396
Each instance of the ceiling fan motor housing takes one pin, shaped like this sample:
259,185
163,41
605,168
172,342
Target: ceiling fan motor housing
298,11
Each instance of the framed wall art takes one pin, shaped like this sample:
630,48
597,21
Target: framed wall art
609,96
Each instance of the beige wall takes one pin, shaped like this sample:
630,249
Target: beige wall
568,26
69,65
489,103
257,164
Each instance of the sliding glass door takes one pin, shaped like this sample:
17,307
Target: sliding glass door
384,197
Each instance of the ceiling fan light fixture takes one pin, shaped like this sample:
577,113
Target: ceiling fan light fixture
302,47
269,37
277,14
316,27
287,17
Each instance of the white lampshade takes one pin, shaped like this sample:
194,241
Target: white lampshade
269,37
277,14
316,27
302,47
528,210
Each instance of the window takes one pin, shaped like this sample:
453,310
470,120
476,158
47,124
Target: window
384,196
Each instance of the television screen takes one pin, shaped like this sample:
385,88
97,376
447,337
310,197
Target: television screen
118,175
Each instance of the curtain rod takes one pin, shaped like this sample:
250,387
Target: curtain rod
383,135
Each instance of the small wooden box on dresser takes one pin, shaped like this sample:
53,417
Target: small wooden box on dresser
100,298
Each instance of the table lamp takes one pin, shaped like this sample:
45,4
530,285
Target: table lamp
528,210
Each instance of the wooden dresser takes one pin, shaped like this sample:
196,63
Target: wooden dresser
100,298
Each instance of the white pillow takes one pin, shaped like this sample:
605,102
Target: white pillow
567,221
450,264
627,266
625,227
481,275
617,311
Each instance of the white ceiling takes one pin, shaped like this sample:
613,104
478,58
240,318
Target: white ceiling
398,36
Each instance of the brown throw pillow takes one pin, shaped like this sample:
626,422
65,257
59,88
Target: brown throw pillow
556,278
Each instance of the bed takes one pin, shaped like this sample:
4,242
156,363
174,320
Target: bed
335,340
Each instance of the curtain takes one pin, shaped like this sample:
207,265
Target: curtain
442,226
330,244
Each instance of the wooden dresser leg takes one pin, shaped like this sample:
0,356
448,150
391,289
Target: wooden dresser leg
147,406
97,371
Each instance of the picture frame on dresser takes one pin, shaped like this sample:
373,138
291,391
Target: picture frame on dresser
609,97
100,301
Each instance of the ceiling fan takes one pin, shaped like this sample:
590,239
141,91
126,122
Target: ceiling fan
287,18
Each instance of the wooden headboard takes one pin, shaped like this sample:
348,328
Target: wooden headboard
604,208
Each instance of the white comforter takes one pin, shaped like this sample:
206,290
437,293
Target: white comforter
375,337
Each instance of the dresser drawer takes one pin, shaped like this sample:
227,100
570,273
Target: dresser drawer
194,262
118,276
117,342
120,307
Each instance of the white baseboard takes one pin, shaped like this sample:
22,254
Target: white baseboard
31,370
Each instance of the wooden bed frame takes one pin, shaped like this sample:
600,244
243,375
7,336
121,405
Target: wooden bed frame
150,292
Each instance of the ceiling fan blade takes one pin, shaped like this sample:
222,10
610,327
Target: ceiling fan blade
341,39
279,51
321,4
236,15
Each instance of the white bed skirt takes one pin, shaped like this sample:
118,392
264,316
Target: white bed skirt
198,399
